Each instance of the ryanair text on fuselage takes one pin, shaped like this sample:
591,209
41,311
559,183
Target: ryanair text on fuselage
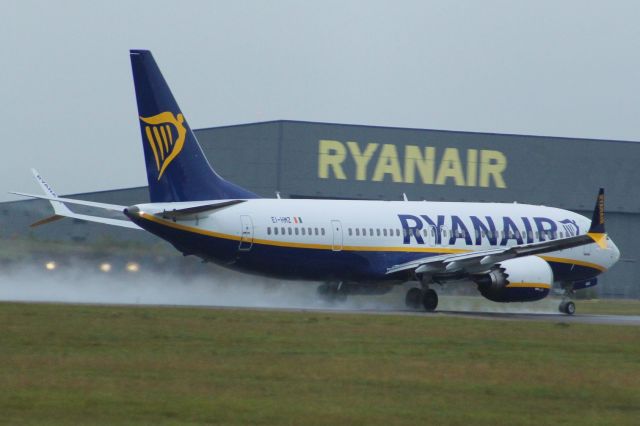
381,162
520,230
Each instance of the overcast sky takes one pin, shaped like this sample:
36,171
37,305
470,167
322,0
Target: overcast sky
559,68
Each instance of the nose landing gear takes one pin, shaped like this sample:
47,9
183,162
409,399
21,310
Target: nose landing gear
566,305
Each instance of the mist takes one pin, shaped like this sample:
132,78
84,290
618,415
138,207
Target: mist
81,283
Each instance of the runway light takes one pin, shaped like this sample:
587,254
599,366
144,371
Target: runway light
50,265
105,267
132,267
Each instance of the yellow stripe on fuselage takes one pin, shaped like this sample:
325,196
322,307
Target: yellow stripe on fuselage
574,262
529,285
437,250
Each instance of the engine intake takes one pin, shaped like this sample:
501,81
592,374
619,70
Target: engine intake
523,279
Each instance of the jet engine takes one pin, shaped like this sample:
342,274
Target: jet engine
522,279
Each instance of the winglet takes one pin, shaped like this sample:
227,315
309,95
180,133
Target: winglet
59,208
596,230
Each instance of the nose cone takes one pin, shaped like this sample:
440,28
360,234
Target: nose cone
614,252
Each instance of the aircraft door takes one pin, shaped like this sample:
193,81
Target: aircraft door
336,230
246,233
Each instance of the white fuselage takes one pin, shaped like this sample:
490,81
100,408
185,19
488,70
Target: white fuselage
375,234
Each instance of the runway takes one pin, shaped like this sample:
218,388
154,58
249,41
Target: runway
633,320
577,318
86,287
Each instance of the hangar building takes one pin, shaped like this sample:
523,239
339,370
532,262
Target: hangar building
307,160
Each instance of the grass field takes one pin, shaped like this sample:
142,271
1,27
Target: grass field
64,364
609,307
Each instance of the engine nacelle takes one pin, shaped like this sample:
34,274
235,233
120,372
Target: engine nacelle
523,279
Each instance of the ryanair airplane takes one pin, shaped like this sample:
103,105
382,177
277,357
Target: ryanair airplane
512,252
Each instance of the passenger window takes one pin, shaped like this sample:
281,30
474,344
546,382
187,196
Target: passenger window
384,231
371,232
364,232
378,232
268,230
296,231
289,231
282,230
275,231
357,232
316,229
349,231
309,230
302,230
322,230
397,232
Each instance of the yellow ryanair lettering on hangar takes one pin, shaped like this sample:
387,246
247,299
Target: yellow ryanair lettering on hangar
412,164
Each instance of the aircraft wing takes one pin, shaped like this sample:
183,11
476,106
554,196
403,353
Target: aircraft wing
482,260
61,210
113,207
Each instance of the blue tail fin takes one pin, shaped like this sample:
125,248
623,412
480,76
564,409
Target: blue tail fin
177,169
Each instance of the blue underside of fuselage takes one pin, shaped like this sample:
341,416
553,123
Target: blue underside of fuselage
317,264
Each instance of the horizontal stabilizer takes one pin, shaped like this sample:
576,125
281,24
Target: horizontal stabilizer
193,211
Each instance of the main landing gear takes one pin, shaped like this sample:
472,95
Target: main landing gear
332,292
566,305
425,298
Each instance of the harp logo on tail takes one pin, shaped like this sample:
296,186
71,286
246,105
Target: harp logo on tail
166,135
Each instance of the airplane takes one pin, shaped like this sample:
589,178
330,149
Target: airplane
512,252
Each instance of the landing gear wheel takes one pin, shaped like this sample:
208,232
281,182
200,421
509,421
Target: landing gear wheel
430,300
567,307
413,298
